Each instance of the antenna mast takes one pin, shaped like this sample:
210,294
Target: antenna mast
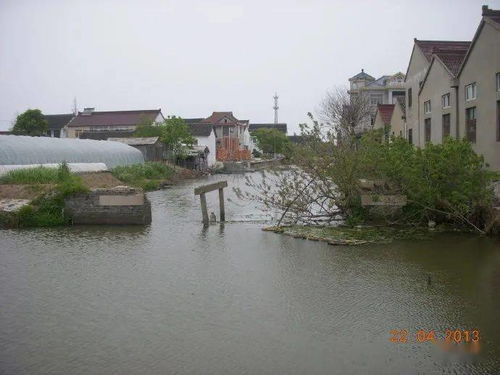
275,97
75,107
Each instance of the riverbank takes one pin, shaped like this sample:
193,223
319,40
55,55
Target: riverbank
360,235
36,197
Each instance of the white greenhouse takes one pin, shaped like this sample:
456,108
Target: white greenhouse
23,150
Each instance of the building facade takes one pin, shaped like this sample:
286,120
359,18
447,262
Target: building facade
453,90
384,90
91,121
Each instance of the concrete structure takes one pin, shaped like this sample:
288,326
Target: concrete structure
92,121
384,90
119,205
479,113
151,147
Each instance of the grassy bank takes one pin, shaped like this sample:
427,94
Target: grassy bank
343,235
148,176
47,210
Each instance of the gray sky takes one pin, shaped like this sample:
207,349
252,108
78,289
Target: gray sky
190,58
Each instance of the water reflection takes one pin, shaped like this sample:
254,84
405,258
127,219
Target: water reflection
175,297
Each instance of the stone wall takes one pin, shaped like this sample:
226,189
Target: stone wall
118,205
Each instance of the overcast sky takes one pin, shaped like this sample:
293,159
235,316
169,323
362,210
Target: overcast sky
190,58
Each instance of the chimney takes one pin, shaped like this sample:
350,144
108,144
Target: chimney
88,111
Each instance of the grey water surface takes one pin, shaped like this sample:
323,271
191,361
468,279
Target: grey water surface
174,298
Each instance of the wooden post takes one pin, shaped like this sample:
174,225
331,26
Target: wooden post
221,205
204,211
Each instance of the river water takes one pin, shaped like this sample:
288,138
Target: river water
173,298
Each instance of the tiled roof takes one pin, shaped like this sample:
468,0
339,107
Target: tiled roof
427,46
281,127
362,75
199,129
451,58
116,118
385,111
492,14
57,122
136,141
104,135
216,117
193,120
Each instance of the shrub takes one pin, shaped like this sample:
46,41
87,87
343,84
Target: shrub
147,176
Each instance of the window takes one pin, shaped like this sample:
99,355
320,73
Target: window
470,124
471,91
409,97
498,81
446,126
376,99
427,130
498,121
427,106
410,136
445,100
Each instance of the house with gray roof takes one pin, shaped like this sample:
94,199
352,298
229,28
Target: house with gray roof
57,124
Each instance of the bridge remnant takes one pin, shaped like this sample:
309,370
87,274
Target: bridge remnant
202,190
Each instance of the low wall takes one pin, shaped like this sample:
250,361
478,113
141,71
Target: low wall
119,205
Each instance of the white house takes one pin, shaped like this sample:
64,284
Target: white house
205,136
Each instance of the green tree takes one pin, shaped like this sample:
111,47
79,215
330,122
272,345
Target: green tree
173,132
271,141
31,122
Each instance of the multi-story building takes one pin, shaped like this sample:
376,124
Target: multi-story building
384,90
453,89
421,58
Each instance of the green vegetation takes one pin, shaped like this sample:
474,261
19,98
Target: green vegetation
147,176
48,209
173,132
38,175
445,183
31,122
271,141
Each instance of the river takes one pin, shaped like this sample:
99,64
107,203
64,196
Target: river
174,298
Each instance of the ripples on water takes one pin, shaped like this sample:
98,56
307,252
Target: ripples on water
175,298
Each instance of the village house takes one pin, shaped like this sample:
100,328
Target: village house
57,124
90,121
205,136
232,137
384,90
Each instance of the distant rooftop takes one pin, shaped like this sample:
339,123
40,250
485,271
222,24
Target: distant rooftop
428,46
57,122
280,126
362,75
110,118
